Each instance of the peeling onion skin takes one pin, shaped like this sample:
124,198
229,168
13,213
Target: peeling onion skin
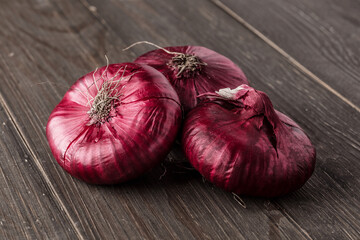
137,135
219,72
245,146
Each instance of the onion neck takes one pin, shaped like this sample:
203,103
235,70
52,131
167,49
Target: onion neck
186,65
247,102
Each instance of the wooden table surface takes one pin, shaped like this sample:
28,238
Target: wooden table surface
304,54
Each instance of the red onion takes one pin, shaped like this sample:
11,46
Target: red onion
114,123
193,70
237,141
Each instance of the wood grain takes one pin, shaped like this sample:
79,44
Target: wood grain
45,46
28,209
323,36
326,118
53,44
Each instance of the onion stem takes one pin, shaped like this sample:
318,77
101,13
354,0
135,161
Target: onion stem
187,65
152,44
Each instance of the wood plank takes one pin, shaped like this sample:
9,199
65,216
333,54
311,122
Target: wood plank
52,45
28,209
134,210
64,41
321,35
282,79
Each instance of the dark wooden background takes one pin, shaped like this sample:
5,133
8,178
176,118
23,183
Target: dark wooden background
304,54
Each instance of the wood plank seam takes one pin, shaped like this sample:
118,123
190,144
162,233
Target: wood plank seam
21,122
21,135
252,29
290,59
92,10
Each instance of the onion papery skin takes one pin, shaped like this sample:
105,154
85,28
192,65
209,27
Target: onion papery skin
245,146
137,134
219,72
